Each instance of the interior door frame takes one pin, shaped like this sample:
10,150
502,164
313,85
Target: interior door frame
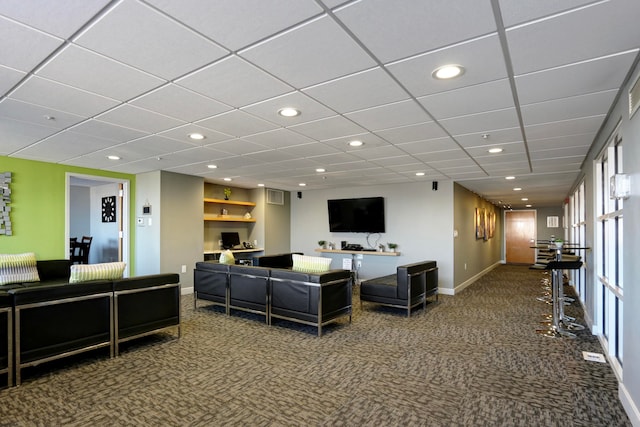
535,231
123,212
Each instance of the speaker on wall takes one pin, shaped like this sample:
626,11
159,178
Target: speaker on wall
434,185
299,194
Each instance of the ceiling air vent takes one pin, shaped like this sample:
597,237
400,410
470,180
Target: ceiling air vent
634,97
275,197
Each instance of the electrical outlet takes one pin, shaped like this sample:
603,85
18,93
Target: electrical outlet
184,268
358,264
465,265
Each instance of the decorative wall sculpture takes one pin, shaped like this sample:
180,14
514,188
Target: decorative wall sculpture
5,200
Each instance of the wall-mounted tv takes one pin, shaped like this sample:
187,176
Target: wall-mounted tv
361,215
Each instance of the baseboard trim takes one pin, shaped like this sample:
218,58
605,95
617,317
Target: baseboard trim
629,406
186,291
468,282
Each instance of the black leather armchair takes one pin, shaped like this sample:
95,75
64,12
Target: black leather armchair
406,289
55,321
311,299
210,280
6,338
132,295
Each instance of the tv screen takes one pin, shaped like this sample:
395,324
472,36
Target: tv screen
230,239
362,215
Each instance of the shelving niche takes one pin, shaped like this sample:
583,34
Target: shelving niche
236,210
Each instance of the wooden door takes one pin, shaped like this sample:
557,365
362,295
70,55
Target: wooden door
520,235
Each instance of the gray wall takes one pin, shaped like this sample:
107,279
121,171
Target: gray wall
473,256
630,131
418,219
147,246
181,225
277,221
542,231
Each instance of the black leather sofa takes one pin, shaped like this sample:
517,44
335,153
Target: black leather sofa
53,319
275,261
311,299
6,339
408,288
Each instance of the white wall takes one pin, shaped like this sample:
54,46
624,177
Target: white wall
418,219
104,246
148,235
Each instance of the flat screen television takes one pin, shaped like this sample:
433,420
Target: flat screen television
230,239
361,215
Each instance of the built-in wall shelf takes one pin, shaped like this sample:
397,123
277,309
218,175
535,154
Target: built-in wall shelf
227,218
229,202
340,251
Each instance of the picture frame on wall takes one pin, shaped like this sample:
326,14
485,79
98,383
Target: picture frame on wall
480,223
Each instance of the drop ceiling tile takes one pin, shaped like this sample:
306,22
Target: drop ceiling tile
83,69
36,114
312,150
64,146
312,53
373,153
236,24
22,48
278,138
358,91
61,19
139,119
591,36
412,133
489,96
237,123
481,122
504,158
568,108
480,151
237,146
580,140
559,152
270,156
560,164
9,78
16,135
392,31
597,75
150,41
564,128
507,169
310,109
229,164
438,156
107,131
181,133
369,139
355,164
49,94
516,12
234,82
336,159
332,127
428,146
415,73
174,101
389,116
395,161
194,155
444,164
151,146
137,167
495,137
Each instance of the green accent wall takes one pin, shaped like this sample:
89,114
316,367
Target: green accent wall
38,207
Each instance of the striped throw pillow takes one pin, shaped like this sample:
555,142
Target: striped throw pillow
310,264
18,268
104,271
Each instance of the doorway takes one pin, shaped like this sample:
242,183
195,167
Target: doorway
520,236
85,195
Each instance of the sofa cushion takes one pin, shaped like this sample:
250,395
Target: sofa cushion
89,272
310,264
18,268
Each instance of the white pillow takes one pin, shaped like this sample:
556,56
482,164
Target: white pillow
104,271
18,268
310,264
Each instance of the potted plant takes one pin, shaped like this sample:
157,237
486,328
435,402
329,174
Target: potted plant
227,193
322,243
392,246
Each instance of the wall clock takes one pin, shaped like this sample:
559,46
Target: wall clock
109,209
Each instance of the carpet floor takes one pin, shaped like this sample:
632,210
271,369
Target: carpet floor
472,359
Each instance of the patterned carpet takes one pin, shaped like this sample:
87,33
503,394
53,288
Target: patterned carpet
473,359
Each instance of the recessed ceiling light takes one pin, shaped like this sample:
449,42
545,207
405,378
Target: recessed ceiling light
197,136
509,177
517,189
495,150
113,157
260,185
212,166
320,170
356,143
448,71
50,118
302,184
289,112
524,199
226,179
419,173
527,206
